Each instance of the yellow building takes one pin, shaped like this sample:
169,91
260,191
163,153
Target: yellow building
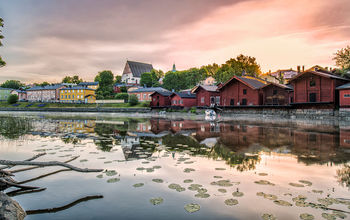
77,95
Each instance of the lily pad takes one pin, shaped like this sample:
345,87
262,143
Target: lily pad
237,194
268,217
339,214
308,183
262,174
222,190
113,180
270,197
149,170
296,184
156,201
157,167
264,182
224,183
157,180
328,216
140,168
188,181
306,216
136,185
317,191
202,195
192,207
84,160
177,187
219,168
188,170
111,173
282,203
231,202
194,187
217,177
99,176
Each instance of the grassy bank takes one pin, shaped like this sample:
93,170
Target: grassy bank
69,105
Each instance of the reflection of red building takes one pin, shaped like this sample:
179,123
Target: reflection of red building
344,95
241,91
316,87
344,138
183,99
207,95
161,99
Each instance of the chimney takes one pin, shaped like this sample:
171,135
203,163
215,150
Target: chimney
298,69
303,68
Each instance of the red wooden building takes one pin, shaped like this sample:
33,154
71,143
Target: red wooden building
344,95
316,87
242,90
207,95
277,94
183,99
161,99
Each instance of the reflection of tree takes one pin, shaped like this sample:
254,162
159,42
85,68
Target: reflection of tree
195,147
14,127
343,175
239,160
71,140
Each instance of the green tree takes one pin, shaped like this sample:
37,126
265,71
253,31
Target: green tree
118,79
2,63
13,84
42,84
181,80
342,59
105,89
12,99
72,79
133,100
151,79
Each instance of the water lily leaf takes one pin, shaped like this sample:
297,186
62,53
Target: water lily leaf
192,207
110,172
296,184
308,183
188,181
217,177
136,185
156,201
231,202
306,216
237,194
264,182
188,170
222,190
282,203
113,180
157,180
268,217
99,176
84,160
202,195
317,191
262,174
329,216
220,168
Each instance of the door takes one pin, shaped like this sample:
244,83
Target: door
232,102
312,97
244,101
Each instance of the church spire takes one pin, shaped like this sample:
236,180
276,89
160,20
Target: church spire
174,68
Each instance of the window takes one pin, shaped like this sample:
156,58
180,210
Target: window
66,96
244,101
72,96
217,100
144,96
69,96
181,102
202,100
174,102
244,91
232,102
312,97
275,91
312,83
346,95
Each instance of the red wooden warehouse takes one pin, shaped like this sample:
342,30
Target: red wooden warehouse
183,99
344,95
277,94
242,90
316,87
161,99
207,96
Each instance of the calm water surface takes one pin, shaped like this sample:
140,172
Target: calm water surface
227,159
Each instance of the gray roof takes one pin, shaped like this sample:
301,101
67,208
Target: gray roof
88,84
345,86
321,73
77,87
164,93
208,88
284,86
138,68
185,94
150,89
51,87
256,84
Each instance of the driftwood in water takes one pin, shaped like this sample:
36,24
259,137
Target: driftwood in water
46,164
23,191
61,208
44,175
30,159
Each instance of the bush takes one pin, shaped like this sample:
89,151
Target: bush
123,89
123,96
193,110
133,100
146,104
12,99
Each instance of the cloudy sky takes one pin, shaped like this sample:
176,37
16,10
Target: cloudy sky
48,39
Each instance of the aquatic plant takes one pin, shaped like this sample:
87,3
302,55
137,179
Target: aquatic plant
156,201
231,202
192,207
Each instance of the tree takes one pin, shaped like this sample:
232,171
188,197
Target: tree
2,63
181,80
12,84
12,99
342,59
151,79
118,79
42,84
133,100
105,80
72,79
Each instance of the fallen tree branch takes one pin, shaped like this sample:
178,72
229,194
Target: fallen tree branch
13,184
24,191
45,164
61,208
30,159
42,176
35,167
5,173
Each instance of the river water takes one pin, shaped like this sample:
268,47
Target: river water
154,168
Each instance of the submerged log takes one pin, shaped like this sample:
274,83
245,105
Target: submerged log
45,164
30,159
10,209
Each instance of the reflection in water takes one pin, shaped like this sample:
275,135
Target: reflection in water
272,160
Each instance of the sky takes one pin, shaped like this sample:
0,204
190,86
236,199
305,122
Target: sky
46,40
